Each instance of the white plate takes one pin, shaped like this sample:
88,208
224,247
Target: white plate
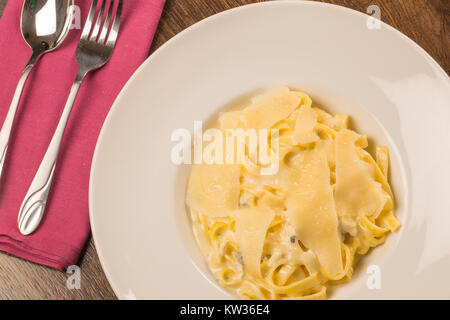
396,93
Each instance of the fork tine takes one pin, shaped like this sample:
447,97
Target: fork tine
89,20
98,22
115,28
105,28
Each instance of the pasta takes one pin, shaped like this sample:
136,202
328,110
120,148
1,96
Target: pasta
291,234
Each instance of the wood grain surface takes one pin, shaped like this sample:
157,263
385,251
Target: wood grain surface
424,21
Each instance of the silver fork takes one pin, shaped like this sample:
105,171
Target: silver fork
94,50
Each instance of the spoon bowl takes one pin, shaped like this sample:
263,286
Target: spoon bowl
46,23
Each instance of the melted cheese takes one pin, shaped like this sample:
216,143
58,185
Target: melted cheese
213,190
382,156
357,193
263,113
312,212
251,229
304,127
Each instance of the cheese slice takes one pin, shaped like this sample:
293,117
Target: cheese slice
304,127
306,100
213,190
382,156
265,111
356,193
251,228
311,210
328,146
338,122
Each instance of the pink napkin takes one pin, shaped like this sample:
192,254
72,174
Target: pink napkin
64,229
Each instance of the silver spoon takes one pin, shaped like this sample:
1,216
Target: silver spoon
44,25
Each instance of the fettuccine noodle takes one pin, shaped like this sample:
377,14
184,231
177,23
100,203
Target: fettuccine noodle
291,234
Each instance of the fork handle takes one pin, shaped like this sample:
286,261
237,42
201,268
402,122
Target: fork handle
5,132
33,206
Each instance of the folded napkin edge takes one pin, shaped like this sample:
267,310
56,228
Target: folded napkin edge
22,250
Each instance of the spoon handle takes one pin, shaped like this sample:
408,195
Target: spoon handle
33,206
5,132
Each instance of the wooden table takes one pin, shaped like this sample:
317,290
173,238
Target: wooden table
424,21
